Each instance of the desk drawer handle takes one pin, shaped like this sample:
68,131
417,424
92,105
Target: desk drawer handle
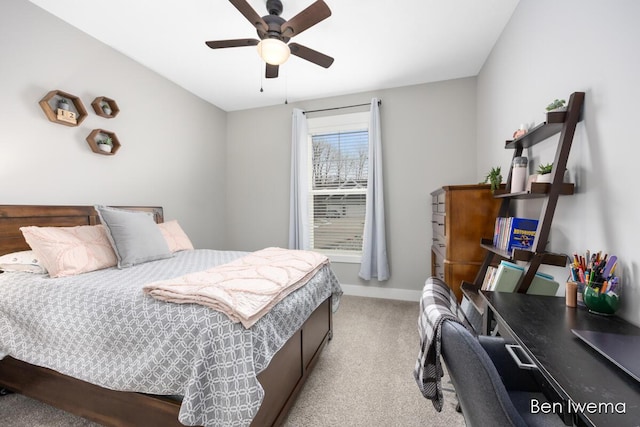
522,365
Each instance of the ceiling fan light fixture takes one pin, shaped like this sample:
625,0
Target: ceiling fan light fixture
273,51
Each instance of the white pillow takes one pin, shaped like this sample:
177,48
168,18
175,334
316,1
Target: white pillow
22,261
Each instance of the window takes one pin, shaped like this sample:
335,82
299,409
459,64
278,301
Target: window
338,169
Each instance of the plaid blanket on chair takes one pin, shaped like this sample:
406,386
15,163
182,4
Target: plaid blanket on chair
438,303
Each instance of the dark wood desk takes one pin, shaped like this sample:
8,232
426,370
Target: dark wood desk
579,375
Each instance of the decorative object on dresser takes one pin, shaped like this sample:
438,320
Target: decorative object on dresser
461,216
63,108
494,178
550,192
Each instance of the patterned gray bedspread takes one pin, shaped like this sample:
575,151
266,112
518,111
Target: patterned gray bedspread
101,328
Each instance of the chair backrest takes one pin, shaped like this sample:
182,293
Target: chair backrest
481,393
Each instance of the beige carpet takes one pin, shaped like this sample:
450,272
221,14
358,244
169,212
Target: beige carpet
365,374
363,378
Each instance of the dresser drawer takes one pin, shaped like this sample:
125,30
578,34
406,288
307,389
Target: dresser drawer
440,243
438,201
438,224
437,264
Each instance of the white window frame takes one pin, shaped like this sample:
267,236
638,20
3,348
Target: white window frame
324,125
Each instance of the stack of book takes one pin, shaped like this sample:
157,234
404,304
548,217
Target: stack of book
505,277
514,233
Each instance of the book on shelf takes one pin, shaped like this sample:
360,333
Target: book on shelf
488,278
514,233
508,274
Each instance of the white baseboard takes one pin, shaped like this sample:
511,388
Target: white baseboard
385,293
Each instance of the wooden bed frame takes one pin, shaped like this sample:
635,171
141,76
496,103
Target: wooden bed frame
282,380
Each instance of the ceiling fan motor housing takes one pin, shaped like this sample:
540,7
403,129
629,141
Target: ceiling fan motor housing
274,22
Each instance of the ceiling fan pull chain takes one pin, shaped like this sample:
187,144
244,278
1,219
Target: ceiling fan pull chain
286,88
261,74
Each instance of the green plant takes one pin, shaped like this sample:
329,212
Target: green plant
494,177
106,141
545,169
557,103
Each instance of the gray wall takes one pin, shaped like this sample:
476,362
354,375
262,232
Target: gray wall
428,141
165,131
226,176
548,50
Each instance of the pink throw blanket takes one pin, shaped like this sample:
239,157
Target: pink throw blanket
246,288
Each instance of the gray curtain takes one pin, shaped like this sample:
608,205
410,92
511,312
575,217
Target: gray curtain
374,251
299,198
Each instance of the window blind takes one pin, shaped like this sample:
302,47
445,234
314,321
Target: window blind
339,171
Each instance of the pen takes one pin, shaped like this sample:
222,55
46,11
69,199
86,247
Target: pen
615,264
581,276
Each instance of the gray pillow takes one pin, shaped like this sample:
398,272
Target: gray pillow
135,237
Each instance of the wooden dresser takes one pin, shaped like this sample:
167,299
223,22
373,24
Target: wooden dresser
461,216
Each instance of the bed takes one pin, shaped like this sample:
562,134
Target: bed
278,362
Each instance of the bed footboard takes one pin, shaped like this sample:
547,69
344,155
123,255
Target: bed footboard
282,381
286,374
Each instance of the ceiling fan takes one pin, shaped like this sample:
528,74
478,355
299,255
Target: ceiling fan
275,33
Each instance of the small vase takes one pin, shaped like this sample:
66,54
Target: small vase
104,147
544,178
107,110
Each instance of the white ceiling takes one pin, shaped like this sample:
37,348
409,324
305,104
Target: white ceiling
377,44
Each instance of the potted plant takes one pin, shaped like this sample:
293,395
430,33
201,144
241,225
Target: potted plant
106,109
105,144
63,104
544,172
556,111
494,177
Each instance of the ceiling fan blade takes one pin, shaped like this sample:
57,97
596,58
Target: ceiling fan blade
272,71
251,15
220,44
309,17
310,55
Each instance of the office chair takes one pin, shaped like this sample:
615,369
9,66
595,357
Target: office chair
482,392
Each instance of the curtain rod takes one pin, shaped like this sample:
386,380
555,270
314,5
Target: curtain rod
340,108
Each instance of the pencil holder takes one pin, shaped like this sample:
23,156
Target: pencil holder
600,303
580,296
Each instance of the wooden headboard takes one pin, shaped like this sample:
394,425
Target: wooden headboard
12,217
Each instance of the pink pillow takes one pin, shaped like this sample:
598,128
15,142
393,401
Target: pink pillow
66,251
176,238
